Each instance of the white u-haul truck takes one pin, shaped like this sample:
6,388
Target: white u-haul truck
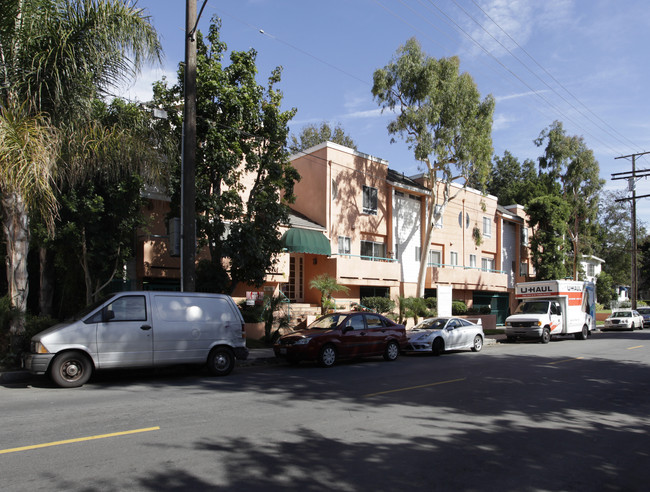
553,307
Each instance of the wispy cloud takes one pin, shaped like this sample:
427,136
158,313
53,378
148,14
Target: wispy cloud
518,95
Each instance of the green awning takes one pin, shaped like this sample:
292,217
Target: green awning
306,241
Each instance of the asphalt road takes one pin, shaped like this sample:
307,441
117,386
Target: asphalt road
570,415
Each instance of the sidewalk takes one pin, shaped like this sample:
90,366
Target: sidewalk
256,357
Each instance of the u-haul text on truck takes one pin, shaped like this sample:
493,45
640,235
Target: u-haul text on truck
553,307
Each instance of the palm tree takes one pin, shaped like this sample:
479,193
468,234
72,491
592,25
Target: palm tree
327,285
57,56
28,149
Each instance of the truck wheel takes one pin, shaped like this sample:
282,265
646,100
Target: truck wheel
221,361
546,335
583,335
71,369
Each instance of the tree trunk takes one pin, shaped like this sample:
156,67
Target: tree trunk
46,294
16,229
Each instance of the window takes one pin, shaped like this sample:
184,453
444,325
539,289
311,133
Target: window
418,253
472,261
435,258
487,264
524,236
128,308
371,250
438,210
369,200
454,258
374,321
591,269
487,227
523,268
344,245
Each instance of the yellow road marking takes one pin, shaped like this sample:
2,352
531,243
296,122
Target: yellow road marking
79,439
566,360
414,387
638,346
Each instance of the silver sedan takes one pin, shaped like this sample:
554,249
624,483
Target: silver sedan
437,335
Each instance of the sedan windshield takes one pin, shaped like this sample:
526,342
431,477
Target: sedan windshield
432,324
326,322
622,314
540,307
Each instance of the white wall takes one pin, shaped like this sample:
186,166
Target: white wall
406,235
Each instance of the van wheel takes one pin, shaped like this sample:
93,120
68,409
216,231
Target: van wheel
221,361
327,356
392,351
71,369
546,336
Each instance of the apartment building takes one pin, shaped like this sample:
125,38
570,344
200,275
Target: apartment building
363,224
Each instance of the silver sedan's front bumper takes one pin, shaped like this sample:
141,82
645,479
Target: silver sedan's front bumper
418,347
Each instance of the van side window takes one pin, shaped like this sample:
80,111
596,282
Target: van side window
128,308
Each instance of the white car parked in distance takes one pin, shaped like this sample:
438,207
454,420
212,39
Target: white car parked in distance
437,335
624,319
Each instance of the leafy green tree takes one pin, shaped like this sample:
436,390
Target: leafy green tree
605,288
327,285
440,114
512,182
548,217
571,171
242,135
312,135
53,65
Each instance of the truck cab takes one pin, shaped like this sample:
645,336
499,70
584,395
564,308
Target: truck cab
534,319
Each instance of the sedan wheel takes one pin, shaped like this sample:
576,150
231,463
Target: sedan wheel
438,346
478,343
327,356
392,351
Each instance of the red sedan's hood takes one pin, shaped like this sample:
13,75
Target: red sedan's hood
308,333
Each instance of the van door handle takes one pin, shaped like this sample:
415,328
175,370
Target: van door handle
145,327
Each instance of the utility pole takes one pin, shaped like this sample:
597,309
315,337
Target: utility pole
631,177
188,165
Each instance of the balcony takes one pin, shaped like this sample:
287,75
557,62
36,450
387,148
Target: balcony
460,277
366,270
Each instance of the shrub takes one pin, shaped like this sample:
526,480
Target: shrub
379,304
251,314
458,308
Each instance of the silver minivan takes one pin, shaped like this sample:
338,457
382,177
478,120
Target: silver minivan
142,329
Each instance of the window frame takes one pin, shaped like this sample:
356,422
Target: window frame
370,201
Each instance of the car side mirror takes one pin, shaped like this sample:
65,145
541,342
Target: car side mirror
346,329
108,315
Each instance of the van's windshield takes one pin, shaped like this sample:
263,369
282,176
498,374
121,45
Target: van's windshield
532,307
88,309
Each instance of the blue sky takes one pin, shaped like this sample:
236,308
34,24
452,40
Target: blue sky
582,62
